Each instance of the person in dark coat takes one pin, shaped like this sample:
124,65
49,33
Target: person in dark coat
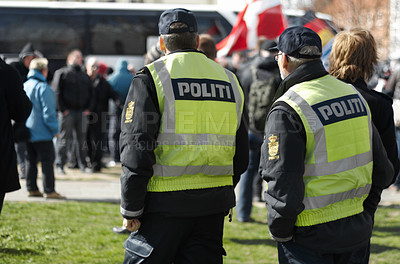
103,91
319,134
194,168
75,101
353,60
27,54
14,105
260,80
120,81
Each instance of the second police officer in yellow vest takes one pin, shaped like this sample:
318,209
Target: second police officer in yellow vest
183,149
320,156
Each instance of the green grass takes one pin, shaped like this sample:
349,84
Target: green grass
80,232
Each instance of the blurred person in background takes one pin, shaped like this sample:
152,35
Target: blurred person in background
393,91
120,82
16,106
234,63
75,101
260,81
207,45
102,91
381,77
27,54
21,133
153,53
43,126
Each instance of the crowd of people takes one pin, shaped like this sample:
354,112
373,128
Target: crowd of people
68,124
193,127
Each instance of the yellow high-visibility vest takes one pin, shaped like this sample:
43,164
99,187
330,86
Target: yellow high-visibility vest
201,105
338,162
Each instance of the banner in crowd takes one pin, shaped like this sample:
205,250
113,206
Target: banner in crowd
325,32
260,18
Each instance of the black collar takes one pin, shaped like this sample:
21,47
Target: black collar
186,50
305,72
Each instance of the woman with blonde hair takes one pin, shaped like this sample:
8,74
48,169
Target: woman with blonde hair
353,59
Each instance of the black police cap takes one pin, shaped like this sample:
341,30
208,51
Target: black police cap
171,16
293,39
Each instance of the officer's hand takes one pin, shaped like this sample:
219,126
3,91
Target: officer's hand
131,224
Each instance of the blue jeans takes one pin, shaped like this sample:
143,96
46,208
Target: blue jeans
20,149
244,205
292,253
74,123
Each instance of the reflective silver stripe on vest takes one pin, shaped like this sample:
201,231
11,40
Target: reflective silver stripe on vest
317,127
196,139
325,200
322,166
238,98
169,105
131,213
164,170
338,165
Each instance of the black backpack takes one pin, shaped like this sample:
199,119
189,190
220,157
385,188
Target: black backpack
261,95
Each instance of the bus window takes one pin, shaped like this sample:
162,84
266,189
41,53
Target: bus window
105,30
53,32
125,33
121,34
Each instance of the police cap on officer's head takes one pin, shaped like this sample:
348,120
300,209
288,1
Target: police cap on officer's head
293,39
269,45
171,16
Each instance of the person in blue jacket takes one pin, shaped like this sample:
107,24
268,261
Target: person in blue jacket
43,126
120,81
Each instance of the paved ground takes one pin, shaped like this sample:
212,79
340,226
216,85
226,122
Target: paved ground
76,185
105,186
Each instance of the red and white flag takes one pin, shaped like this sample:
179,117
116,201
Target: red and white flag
260,18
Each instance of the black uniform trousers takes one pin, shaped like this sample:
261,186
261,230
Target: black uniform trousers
291,253
164,239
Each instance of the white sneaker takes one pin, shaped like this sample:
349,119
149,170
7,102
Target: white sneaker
111,163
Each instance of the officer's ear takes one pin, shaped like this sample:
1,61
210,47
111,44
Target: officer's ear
197,41
162,45
285,60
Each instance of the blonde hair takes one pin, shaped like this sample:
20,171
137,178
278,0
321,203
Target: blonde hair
38,64
354,55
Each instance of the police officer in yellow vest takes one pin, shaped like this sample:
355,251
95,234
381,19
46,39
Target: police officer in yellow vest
183,148
320,156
